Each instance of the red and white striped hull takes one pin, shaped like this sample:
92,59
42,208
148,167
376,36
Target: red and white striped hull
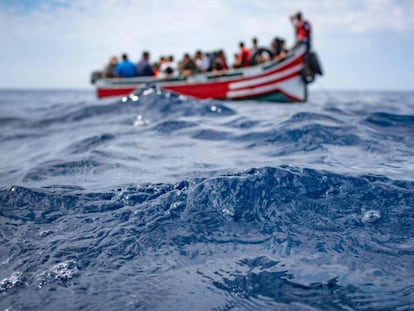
273,81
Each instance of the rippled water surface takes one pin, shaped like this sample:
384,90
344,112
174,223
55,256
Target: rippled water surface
162,202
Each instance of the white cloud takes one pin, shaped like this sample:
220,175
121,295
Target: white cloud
68,39
367,16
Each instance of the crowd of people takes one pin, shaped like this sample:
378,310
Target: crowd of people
216,62
167,67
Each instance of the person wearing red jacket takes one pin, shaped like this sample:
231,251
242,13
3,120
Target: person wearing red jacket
244,55
303,30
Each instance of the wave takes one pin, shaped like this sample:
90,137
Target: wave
155,101
298,220
391,121
160,200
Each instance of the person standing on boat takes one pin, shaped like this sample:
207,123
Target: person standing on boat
169,69
202,61
188,66
279,49
303,30
144,69
109,70
244,55
255,45
126,68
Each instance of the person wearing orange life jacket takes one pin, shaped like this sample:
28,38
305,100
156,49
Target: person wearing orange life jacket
303,30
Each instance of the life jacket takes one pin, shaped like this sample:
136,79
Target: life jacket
303,30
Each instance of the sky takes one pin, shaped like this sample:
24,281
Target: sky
362,44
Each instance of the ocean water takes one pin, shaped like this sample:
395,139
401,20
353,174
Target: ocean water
163,202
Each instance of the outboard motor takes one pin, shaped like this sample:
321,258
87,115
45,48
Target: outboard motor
95,76
312,67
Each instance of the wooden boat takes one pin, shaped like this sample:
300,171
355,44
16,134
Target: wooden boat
275,81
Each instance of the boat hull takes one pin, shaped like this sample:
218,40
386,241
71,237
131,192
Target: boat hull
274,81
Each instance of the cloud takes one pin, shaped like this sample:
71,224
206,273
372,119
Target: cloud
366,16
68,39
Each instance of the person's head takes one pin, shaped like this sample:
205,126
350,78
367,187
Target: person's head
124,57
198,54
298,16
114,60
254,40
146,55
187,57
241,44
171,58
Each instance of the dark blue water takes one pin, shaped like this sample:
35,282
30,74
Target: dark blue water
163,202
